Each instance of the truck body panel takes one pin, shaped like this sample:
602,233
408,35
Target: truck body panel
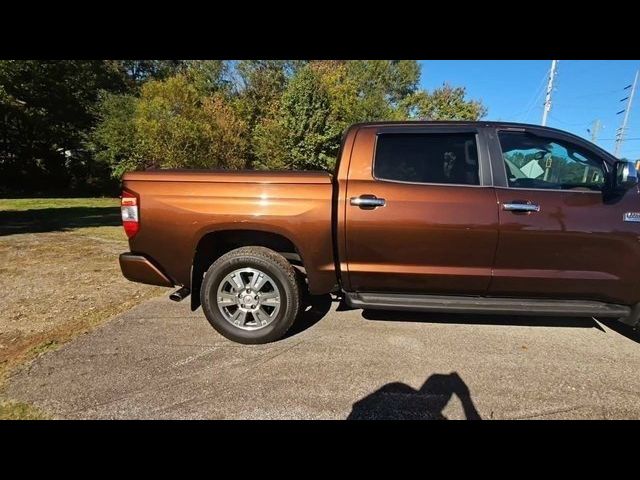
425,239
577,247
175,214
417,237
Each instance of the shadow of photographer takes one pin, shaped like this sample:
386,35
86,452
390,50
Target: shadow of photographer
399,401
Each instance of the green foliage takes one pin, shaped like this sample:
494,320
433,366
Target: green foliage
381,86
12,410
302,127
445,103
167,123
46,109
134,73
208,76
171,125
114,139
259,85
59,204
73,124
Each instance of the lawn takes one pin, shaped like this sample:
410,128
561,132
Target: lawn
23,204
60,278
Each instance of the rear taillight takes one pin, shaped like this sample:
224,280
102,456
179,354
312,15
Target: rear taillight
130,217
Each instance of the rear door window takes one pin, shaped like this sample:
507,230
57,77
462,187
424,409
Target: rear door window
442,158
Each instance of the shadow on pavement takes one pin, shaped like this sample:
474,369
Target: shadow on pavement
315,309
57,219
398,401
621,328
453,318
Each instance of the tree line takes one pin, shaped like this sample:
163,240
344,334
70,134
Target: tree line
77,126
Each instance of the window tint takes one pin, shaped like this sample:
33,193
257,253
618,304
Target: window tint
536,162
427,158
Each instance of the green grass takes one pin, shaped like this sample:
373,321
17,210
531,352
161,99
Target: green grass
44,347
10,410
22,204
34,215
53,232
113,233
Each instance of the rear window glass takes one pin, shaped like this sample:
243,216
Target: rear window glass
447,158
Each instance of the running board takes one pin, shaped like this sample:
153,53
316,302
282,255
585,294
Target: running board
489,305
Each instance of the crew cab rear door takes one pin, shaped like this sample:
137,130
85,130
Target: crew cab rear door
562,235
421,214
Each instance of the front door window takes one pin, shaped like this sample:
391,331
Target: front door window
532,161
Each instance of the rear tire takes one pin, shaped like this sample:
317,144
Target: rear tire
251,295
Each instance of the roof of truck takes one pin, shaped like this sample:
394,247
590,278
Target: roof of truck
482,123
475,123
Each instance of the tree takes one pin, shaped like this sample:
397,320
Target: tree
47,109
304,126
258,86
265,114
381,87
114,138
301,135
209,76
171,125
445,103
134,73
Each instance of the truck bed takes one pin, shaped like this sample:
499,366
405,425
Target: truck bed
184,212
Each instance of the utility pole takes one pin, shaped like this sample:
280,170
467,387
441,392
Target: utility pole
547,100
594,130
623,129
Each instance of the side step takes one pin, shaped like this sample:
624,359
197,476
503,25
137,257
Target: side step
489,305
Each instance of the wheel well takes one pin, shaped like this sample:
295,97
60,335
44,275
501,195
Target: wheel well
215,244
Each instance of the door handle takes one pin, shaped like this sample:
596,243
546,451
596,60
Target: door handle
367,202
521,207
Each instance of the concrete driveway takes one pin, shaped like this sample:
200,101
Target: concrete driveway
159,360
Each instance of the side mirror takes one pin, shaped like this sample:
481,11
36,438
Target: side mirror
625,175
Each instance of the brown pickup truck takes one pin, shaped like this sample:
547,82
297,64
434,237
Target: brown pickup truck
479,217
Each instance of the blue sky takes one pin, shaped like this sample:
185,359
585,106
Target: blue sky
514,90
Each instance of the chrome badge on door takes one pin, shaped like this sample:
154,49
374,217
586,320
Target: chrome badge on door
632,217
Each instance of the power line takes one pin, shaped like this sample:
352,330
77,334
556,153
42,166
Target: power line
579,124
535,100
531,103
626,139
590,95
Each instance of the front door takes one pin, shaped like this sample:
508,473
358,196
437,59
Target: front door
421,215
561,234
